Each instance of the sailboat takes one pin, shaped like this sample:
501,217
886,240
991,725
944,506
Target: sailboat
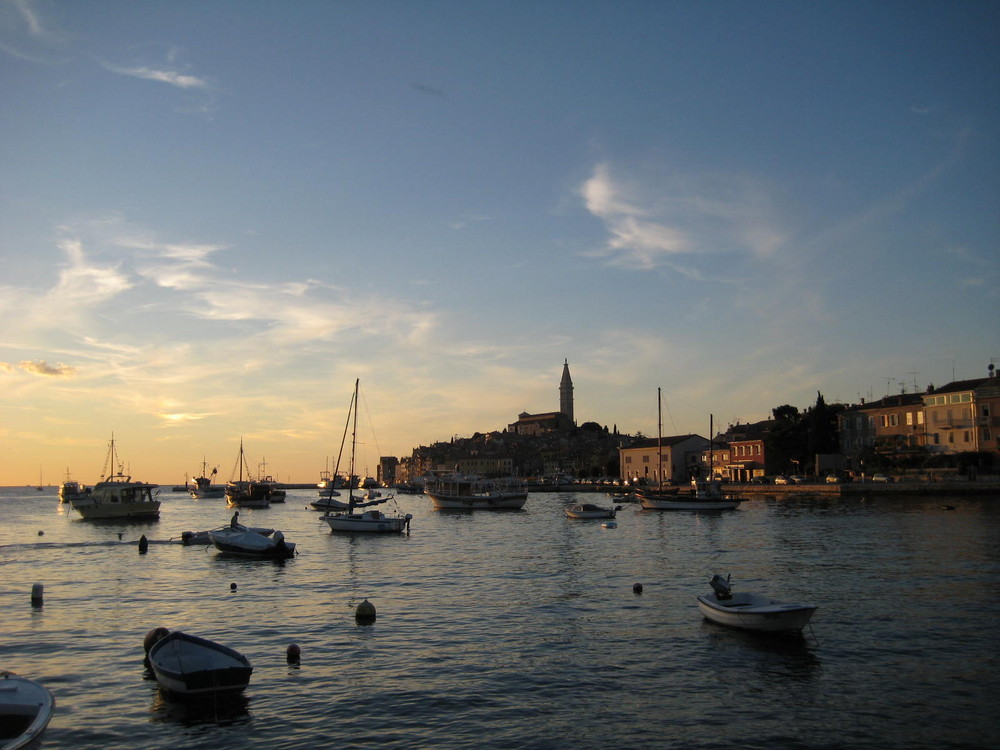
246,493
706,494
371,521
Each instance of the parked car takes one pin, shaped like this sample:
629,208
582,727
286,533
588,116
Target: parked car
760,480
832,479
782,480
883,478
796,479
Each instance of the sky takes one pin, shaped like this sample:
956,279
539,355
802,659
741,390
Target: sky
216,215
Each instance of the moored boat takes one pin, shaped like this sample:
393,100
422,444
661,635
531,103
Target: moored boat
589,510
188,665
116,495
473,493
70,489
189,538
247,493
252,544
203,488
371,521
25,710
749,611
705,495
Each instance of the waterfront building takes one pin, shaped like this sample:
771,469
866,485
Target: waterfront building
962,416
682,454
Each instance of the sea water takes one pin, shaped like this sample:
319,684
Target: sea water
519,629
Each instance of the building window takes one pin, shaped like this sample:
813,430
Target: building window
909,418
628,459
920,417
645,459
893,420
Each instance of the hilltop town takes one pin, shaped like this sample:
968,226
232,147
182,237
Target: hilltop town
954,428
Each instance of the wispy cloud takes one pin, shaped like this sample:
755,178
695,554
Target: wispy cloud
39,367
173,77
654,217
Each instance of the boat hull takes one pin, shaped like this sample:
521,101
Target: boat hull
188,665
589,511
93,509
755,612
677,502
499,501
25,710
250,544
369,522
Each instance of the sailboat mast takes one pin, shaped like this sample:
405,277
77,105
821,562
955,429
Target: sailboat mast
711,447
354,441
659,439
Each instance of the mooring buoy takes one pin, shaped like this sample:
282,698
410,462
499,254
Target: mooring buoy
365,613
143,544
292,653
232,587
636,588
37,595
153,636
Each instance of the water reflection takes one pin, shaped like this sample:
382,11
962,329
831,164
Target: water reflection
776,656
204,710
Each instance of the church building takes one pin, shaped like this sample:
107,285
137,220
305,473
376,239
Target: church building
553,421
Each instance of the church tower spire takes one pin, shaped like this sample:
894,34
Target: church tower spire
566,393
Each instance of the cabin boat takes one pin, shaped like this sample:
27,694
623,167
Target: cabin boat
117,496
589,510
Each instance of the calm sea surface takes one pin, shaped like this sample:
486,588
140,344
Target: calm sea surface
520,629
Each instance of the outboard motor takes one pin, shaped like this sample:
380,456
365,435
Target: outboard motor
721,587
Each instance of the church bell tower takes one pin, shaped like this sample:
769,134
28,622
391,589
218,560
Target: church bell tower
566,393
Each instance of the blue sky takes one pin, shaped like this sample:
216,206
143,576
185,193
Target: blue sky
214,216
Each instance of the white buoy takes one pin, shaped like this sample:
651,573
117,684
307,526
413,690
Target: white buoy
37,594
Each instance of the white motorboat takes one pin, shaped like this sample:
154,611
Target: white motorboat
371,521
589,510
454,491
752,611
25,710
188,665
116,495
252,544
189,538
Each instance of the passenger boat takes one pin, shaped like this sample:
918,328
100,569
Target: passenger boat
371,521
474,493
203,488
188,665
25,710
116,495
589,510
752,611
247,493
251,544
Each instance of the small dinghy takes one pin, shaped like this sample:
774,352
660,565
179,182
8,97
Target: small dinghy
25,710
188,665
752,611
250,544
588,510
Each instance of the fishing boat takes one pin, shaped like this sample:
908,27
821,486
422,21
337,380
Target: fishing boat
251,544
589,510
203,488
454,491
247,493
25,710
188,665
706,494
371,521
752,611
116,495
70,488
